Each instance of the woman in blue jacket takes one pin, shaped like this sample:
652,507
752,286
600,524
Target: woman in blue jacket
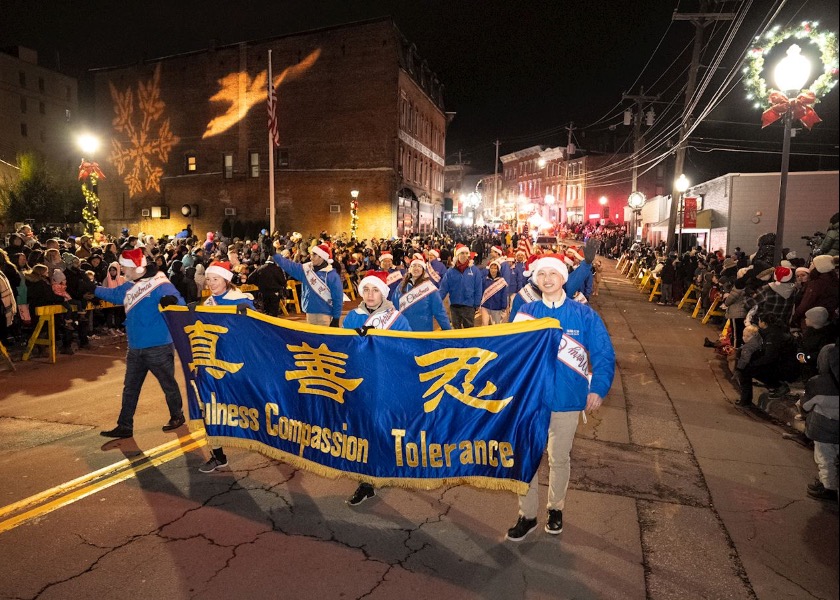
495,298
219,280
418,300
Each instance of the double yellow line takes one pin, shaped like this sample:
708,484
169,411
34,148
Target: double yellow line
66,493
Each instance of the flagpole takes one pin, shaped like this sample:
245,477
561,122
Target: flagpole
271,211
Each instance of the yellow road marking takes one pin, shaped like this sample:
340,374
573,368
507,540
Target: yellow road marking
126,469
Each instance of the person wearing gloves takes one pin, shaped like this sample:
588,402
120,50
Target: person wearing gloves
463,284
149,343
584,374
376,312
494,298
322,294
530,292
418,299
223,292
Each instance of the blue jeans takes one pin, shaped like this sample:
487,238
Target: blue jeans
160,360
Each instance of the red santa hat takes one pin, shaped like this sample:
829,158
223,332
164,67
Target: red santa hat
387,255
220,269
417,258
782,274
376,279
572,252
434,253
461,248
550,261
324,251
497,249
135,258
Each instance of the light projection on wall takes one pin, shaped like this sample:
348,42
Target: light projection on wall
240,92
146,140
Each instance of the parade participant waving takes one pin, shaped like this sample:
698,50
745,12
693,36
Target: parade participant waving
418,300
463,284
149,343
377,312
494,300
323,294
219,280
394,275
585,369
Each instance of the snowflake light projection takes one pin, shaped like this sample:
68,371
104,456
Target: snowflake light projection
149,140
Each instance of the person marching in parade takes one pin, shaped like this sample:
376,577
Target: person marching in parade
585,369
463,284
149,342
322,291
219,280
377,312
495,298
435,268
418,299
394,275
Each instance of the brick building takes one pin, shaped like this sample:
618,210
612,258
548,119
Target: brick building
357,109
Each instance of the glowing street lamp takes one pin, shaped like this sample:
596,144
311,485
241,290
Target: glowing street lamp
681,185
636,200
790,75
89,175
603,200
88,144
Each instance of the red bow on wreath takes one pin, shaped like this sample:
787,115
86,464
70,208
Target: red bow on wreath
86,169
801,107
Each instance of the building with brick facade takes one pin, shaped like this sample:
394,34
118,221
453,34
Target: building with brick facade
37,111
357,109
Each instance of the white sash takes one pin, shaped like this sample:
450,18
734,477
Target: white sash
574,355
416,294
433,275
493,289
142,289
393,277
528,294
383,320
317,284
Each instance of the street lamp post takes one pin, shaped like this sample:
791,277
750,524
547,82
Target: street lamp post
790,74
89,175
636,201
681,186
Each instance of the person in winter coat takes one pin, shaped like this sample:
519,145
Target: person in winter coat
190,286
494,299
776,297
822,402
322,296
149,342
39,292
435,267
831,242
377,312
177,277
200,278
822,289
774,366
667,276
418,299
271,281
463,284
222,293
816,334
580,386
735,301
395,275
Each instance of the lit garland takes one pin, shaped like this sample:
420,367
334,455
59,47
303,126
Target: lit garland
756,85
354,217
90,171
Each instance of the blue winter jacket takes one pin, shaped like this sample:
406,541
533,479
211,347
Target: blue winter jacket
232,298
359,315
310,301
421,314
584,326
462,288
144,324
497,301
439,268
392,287
517,279
575,283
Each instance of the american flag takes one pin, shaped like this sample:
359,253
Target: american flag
272,116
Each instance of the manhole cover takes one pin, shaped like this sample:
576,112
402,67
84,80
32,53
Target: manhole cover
17,434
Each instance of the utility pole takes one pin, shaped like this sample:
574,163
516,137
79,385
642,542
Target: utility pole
700,20
638,143
496,182
565,182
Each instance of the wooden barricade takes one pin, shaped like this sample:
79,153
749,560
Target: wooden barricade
46,318
292,297
634,269
627,266
656,291
245,287
713,312
348,288
691,297
646,278
5,354
621,262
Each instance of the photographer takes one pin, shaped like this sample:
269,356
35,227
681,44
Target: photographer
831,242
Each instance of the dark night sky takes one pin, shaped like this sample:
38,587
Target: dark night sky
515,70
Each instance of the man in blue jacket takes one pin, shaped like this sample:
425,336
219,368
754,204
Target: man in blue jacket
585,368
322,293
149,342
464,285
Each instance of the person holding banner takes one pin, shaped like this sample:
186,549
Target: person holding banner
393,275
463,284
585,368
418,300
494,301
377,312
219,280
149,341
322,292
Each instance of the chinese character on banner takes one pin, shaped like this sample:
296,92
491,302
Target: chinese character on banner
203,339
689,213
321,371
471,360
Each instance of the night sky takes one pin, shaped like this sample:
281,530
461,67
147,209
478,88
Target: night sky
519,71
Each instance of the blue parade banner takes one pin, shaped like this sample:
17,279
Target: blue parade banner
415,410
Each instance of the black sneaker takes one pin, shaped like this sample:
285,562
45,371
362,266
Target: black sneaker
214,464
522,528
816,486
117,432
780,391
174,423
824,494
554,525
362,493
